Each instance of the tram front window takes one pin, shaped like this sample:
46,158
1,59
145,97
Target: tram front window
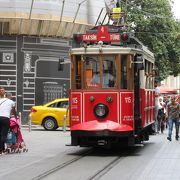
92,69
109,73
100,72
78,72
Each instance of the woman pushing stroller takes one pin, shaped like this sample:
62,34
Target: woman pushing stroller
7,107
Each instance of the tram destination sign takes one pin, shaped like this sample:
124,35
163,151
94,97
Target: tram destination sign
102,35
114,37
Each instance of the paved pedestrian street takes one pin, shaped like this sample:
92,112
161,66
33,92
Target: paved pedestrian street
157,159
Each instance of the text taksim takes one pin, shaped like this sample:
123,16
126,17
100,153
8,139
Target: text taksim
89,37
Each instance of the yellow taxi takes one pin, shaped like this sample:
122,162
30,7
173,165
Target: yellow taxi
51,115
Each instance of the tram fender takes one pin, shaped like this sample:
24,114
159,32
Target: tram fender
96,125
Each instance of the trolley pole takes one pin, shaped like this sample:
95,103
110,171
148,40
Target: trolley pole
20,122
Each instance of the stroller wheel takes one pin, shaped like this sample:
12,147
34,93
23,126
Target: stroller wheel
9,150
25,150
16,150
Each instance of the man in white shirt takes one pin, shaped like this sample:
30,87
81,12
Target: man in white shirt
7,107
157,105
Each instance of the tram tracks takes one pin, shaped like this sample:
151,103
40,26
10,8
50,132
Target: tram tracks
61,166
105,169
95,171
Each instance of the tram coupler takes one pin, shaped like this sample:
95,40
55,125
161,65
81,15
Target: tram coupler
102,142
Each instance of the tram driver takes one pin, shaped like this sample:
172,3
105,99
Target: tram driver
107,79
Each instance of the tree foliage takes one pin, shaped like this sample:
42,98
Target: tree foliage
154,24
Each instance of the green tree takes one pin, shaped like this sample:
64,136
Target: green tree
154,24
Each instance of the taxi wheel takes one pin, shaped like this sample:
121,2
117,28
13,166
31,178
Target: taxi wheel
49,123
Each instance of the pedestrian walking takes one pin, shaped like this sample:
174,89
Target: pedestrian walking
161,115
173,118
7,106
157,106
167,100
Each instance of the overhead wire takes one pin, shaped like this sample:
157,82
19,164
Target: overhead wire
162,33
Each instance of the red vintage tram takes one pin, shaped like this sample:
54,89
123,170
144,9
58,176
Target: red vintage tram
112,89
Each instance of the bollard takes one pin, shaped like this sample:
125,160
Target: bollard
30,123
20,122
64,123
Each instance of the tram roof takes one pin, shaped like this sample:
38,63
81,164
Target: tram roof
107,49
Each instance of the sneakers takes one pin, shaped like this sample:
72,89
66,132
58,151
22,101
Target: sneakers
2,152
177,138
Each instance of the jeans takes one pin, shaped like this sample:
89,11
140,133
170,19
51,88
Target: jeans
4,127
170,125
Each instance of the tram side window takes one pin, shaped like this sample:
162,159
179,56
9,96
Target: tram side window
124,72
148,75
92,69
78,72
151,80
109,72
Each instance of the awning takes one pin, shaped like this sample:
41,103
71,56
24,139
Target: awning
168,90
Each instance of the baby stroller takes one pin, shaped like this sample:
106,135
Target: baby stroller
15,141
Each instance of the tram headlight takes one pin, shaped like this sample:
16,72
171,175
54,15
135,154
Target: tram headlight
101,110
